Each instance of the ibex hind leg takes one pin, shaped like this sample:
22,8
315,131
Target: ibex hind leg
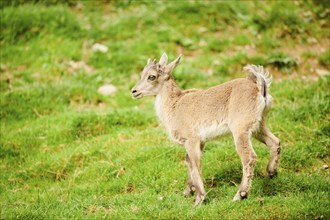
267,137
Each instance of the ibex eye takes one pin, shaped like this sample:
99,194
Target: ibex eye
151,77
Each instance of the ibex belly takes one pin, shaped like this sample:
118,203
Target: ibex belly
213,130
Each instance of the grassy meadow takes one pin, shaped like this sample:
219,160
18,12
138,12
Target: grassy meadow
69,152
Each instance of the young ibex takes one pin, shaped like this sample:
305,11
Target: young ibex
191,117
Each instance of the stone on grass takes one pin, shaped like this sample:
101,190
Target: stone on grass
322,72
100,48
107,90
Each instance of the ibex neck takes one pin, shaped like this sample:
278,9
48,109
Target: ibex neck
166,98
170,90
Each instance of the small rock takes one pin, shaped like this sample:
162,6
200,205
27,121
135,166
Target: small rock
311,40
322,72
3,67
325,166
100,48
107,90
209,72
202,29
79,6
202,43
216,62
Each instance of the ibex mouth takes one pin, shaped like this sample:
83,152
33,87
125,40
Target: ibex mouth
137,96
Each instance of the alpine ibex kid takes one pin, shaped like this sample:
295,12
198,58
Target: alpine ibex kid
191,117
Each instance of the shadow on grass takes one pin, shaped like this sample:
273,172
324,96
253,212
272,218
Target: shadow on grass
225,183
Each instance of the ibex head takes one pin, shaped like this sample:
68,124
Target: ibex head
153,77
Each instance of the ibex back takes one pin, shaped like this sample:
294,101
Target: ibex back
191,117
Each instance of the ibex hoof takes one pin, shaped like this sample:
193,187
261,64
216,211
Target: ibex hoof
199,200
272,174
189,191
240,195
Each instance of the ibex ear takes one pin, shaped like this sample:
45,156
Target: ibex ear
170,67
163,59
149,61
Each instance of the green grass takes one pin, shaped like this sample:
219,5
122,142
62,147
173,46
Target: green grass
68,152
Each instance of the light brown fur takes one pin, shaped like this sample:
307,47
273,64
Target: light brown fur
191,117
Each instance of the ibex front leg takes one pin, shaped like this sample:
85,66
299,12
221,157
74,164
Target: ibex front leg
193,148
190,188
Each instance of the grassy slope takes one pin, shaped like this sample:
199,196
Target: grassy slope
68,152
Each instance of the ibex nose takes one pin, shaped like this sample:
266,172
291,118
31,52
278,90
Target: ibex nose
134,91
